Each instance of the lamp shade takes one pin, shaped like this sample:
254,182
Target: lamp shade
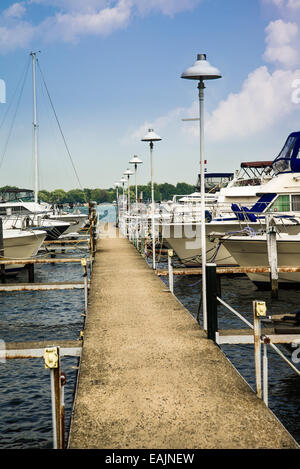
128,172
201,70
151,136
116,184
123,180
135,160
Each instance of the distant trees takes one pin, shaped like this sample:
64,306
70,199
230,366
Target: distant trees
162,192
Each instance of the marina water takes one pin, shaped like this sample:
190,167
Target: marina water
25,401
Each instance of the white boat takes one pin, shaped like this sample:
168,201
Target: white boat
283,192
279,194
20,244
252,251
182,231
31,215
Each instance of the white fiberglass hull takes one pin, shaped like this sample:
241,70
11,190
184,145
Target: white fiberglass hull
185,239
253,252
21,244
77,222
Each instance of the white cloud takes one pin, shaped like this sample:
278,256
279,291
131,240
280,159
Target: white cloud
16,10
14,37
68,26
265,99
282,39
75,18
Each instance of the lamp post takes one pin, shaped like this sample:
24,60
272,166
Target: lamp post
117,185
122,181
135,160
128,173
200,71
151,137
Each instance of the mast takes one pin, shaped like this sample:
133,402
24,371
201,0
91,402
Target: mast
35,128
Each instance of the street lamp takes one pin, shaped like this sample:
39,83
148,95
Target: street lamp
128,173
117,185
202,70
122,181
135,160
152,137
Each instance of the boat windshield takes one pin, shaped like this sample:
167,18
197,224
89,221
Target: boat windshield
282,163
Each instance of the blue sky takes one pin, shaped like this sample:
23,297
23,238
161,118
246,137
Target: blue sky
113,70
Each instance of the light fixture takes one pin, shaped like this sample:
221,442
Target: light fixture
200,71
151,137
136,161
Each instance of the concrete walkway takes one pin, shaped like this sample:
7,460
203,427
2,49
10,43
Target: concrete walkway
150,379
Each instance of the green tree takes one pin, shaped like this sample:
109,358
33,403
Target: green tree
44,196
58,196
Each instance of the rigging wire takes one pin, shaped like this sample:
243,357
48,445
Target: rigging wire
59,126
14,94
14,115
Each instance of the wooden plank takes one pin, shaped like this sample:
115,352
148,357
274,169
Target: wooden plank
9,287
244,336
43,261
22,350
227,270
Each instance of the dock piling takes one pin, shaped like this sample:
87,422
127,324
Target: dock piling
170,269
212,306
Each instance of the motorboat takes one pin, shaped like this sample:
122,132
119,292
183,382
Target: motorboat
20,244
182,229
252,251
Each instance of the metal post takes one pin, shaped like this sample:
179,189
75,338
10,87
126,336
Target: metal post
272,256
170,268
2,267
52,361
85,276
201,88
35,127
265,374
212,309
152,208
259,309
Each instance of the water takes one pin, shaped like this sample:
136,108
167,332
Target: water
25,406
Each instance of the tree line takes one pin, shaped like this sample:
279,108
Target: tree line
162,192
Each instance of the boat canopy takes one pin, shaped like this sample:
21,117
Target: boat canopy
288,160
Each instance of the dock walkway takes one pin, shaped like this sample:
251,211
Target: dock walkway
149,378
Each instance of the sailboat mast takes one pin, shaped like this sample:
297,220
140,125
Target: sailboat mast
35,128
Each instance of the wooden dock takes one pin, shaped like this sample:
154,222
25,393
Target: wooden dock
150,379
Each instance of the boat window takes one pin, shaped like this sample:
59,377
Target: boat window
280,204
283,161
296,203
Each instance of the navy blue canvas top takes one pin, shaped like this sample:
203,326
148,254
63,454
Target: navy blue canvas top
288,160
217,175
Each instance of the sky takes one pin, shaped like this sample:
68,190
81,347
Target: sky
113,69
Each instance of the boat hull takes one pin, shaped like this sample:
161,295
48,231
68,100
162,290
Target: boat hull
21,245
253,252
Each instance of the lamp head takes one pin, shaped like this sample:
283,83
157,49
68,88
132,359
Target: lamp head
128,173
151,136
201,70
135,160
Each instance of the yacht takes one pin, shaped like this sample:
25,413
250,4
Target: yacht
283,192
20,244
182,231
